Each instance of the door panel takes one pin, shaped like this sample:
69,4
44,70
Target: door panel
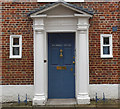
54,55
61,79
67,56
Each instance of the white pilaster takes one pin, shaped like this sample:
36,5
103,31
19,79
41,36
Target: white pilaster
83,63
39,75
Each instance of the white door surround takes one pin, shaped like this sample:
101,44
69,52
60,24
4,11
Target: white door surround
61,18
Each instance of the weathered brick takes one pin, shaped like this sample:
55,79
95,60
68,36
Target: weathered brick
16,21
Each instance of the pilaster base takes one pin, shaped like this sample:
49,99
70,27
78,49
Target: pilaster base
39,100
83,99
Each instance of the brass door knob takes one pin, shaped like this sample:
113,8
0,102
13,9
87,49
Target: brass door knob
73,62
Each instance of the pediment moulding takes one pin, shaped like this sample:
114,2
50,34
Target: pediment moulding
60,9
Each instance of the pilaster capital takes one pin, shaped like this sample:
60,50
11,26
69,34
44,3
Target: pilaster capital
38,28
82,27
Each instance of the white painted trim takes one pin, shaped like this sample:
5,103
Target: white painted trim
35,16
111,91
9,93
11,46
43,25
83,63
83,14
81,96
60,16
59,0
56,31
110,41
75,15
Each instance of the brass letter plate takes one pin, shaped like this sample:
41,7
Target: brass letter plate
61,68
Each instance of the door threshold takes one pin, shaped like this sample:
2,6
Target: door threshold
61,102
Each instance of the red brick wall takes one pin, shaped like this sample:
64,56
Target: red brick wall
0,46
119,44
20,71
103,71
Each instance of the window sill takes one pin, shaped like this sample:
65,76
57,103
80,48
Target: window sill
17,57
107,56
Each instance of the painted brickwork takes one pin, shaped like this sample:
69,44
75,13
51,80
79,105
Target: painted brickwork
20,71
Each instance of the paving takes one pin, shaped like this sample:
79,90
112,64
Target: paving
62,107
65,104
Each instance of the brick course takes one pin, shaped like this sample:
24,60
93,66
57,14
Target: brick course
16,22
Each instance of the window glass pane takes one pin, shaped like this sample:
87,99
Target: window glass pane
106,40
15,50
106,50
15,41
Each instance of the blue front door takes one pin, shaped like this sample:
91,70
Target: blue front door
61,66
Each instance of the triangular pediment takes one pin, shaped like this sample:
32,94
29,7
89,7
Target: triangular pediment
60,8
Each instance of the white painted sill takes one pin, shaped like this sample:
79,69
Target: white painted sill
13,57
107,56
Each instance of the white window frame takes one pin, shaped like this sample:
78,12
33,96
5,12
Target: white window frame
110,44
11,46
59,0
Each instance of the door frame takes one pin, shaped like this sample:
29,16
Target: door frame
48,53
42,26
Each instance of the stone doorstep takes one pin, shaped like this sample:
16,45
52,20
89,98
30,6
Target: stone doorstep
61,102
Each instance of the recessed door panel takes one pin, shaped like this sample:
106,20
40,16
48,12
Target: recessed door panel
68,56
54,56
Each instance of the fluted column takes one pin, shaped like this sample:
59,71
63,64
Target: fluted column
83,64
39,74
